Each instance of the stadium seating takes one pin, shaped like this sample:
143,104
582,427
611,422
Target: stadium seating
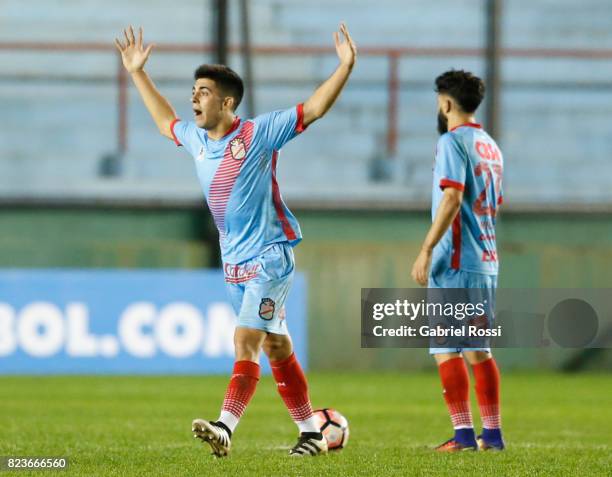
555,112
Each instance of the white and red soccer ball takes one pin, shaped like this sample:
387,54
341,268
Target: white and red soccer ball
334,427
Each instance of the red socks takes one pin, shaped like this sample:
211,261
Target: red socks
241,388
456,388
487,379
293,388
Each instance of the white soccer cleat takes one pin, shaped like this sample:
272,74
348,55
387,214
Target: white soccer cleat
214,434
309,443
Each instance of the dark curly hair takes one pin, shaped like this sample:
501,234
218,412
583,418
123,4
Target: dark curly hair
228,81
464,87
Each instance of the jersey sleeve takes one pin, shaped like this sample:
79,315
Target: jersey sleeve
279,127
451,163
184,133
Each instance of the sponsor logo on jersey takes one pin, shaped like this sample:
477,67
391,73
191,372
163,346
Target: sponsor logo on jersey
240,273
200,154
266,308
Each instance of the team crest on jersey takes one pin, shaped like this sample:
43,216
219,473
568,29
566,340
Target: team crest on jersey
266,308
441,340
481,322
238,149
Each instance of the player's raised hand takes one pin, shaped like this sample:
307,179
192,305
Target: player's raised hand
133,53
345,47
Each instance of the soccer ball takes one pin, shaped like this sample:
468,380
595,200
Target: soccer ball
334,427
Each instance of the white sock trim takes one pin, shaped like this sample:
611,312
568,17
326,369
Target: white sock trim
229,420
308,425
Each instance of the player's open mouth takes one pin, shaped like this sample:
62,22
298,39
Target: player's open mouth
197,113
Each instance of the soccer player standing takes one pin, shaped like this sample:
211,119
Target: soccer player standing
459,250
236,163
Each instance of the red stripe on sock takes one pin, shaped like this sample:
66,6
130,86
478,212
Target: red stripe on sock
487,379
293,387
456,388
241,387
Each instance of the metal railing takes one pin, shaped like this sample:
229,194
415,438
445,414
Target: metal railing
393,55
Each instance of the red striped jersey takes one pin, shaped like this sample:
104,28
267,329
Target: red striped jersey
468,159
237,174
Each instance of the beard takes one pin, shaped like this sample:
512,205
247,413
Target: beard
442,123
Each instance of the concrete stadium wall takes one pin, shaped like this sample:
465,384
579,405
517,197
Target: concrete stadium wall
344,252
104,238
341,253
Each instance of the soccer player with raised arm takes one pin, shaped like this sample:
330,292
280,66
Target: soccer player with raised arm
459,250
236,162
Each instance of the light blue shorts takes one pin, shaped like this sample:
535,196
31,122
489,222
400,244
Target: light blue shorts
259,287
451,278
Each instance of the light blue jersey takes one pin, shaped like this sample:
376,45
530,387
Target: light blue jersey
237,174
468,159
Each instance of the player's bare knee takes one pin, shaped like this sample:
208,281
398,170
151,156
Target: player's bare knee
277,347
248,343
476,357
247,352
443,357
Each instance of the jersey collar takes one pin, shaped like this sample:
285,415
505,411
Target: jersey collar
469,125
232,128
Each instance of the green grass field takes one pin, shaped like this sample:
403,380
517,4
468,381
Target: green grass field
554,425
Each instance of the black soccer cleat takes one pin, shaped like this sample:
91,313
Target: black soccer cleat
309,444
215,434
